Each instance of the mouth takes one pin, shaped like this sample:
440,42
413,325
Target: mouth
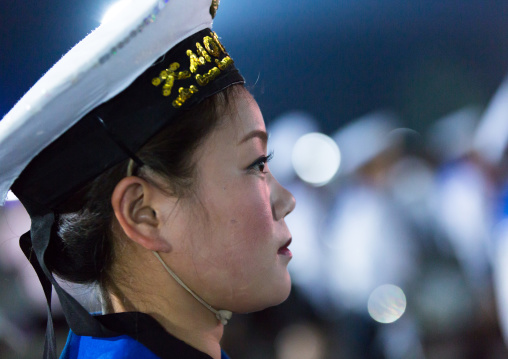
284,250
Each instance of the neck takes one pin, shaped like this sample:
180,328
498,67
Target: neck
153,291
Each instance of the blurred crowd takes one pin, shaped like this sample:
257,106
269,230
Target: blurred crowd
425,213
421,219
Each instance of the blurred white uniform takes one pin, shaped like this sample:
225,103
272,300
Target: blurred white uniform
368,245
306,222
463,211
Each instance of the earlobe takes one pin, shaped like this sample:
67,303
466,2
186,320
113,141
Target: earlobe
133,205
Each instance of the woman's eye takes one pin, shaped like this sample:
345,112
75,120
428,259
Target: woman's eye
260,164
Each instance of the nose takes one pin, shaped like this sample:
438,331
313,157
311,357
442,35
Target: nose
283,202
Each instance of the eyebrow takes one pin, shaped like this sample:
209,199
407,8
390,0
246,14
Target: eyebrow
256,133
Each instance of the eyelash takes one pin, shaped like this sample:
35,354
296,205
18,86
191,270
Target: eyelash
259,164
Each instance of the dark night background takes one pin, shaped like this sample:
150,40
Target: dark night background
335,59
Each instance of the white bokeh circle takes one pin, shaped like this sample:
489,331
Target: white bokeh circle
316,158
387,303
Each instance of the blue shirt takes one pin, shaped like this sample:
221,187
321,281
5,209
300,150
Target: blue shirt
140,337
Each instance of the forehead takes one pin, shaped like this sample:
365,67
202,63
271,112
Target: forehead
232,139
241,118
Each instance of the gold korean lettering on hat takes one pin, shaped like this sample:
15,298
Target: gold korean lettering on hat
210,49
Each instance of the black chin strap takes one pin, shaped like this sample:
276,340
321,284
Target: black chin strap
36,242
50,344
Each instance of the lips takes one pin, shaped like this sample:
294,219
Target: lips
284,250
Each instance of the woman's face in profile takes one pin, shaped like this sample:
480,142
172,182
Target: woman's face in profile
229,241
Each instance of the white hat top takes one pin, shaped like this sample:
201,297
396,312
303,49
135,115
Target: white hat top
99,67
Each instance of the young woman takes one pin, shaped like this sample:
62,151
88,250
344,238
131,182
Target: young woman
146,173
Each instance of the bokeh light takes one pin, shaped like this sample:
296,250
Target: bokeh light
284,131
316,158
387,303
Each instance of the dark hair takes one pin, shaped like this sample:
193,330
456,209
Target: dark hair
82,251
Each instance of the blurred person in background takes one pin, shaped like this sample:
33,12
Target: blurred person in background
368,241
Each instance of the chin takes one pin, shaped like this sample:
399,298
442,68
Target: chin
273,295
284,291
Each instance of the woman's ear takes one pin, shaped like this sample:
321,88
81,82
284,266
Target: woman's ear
133,202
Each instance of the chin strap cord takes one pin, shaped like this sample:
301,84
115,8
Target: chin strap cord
222,315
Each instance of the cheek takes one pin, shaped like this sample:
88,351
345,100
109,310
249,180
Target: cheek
240,231
235,258
248,217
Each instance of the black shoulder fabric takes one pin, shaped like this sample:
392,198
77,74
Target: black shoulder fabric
146,330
